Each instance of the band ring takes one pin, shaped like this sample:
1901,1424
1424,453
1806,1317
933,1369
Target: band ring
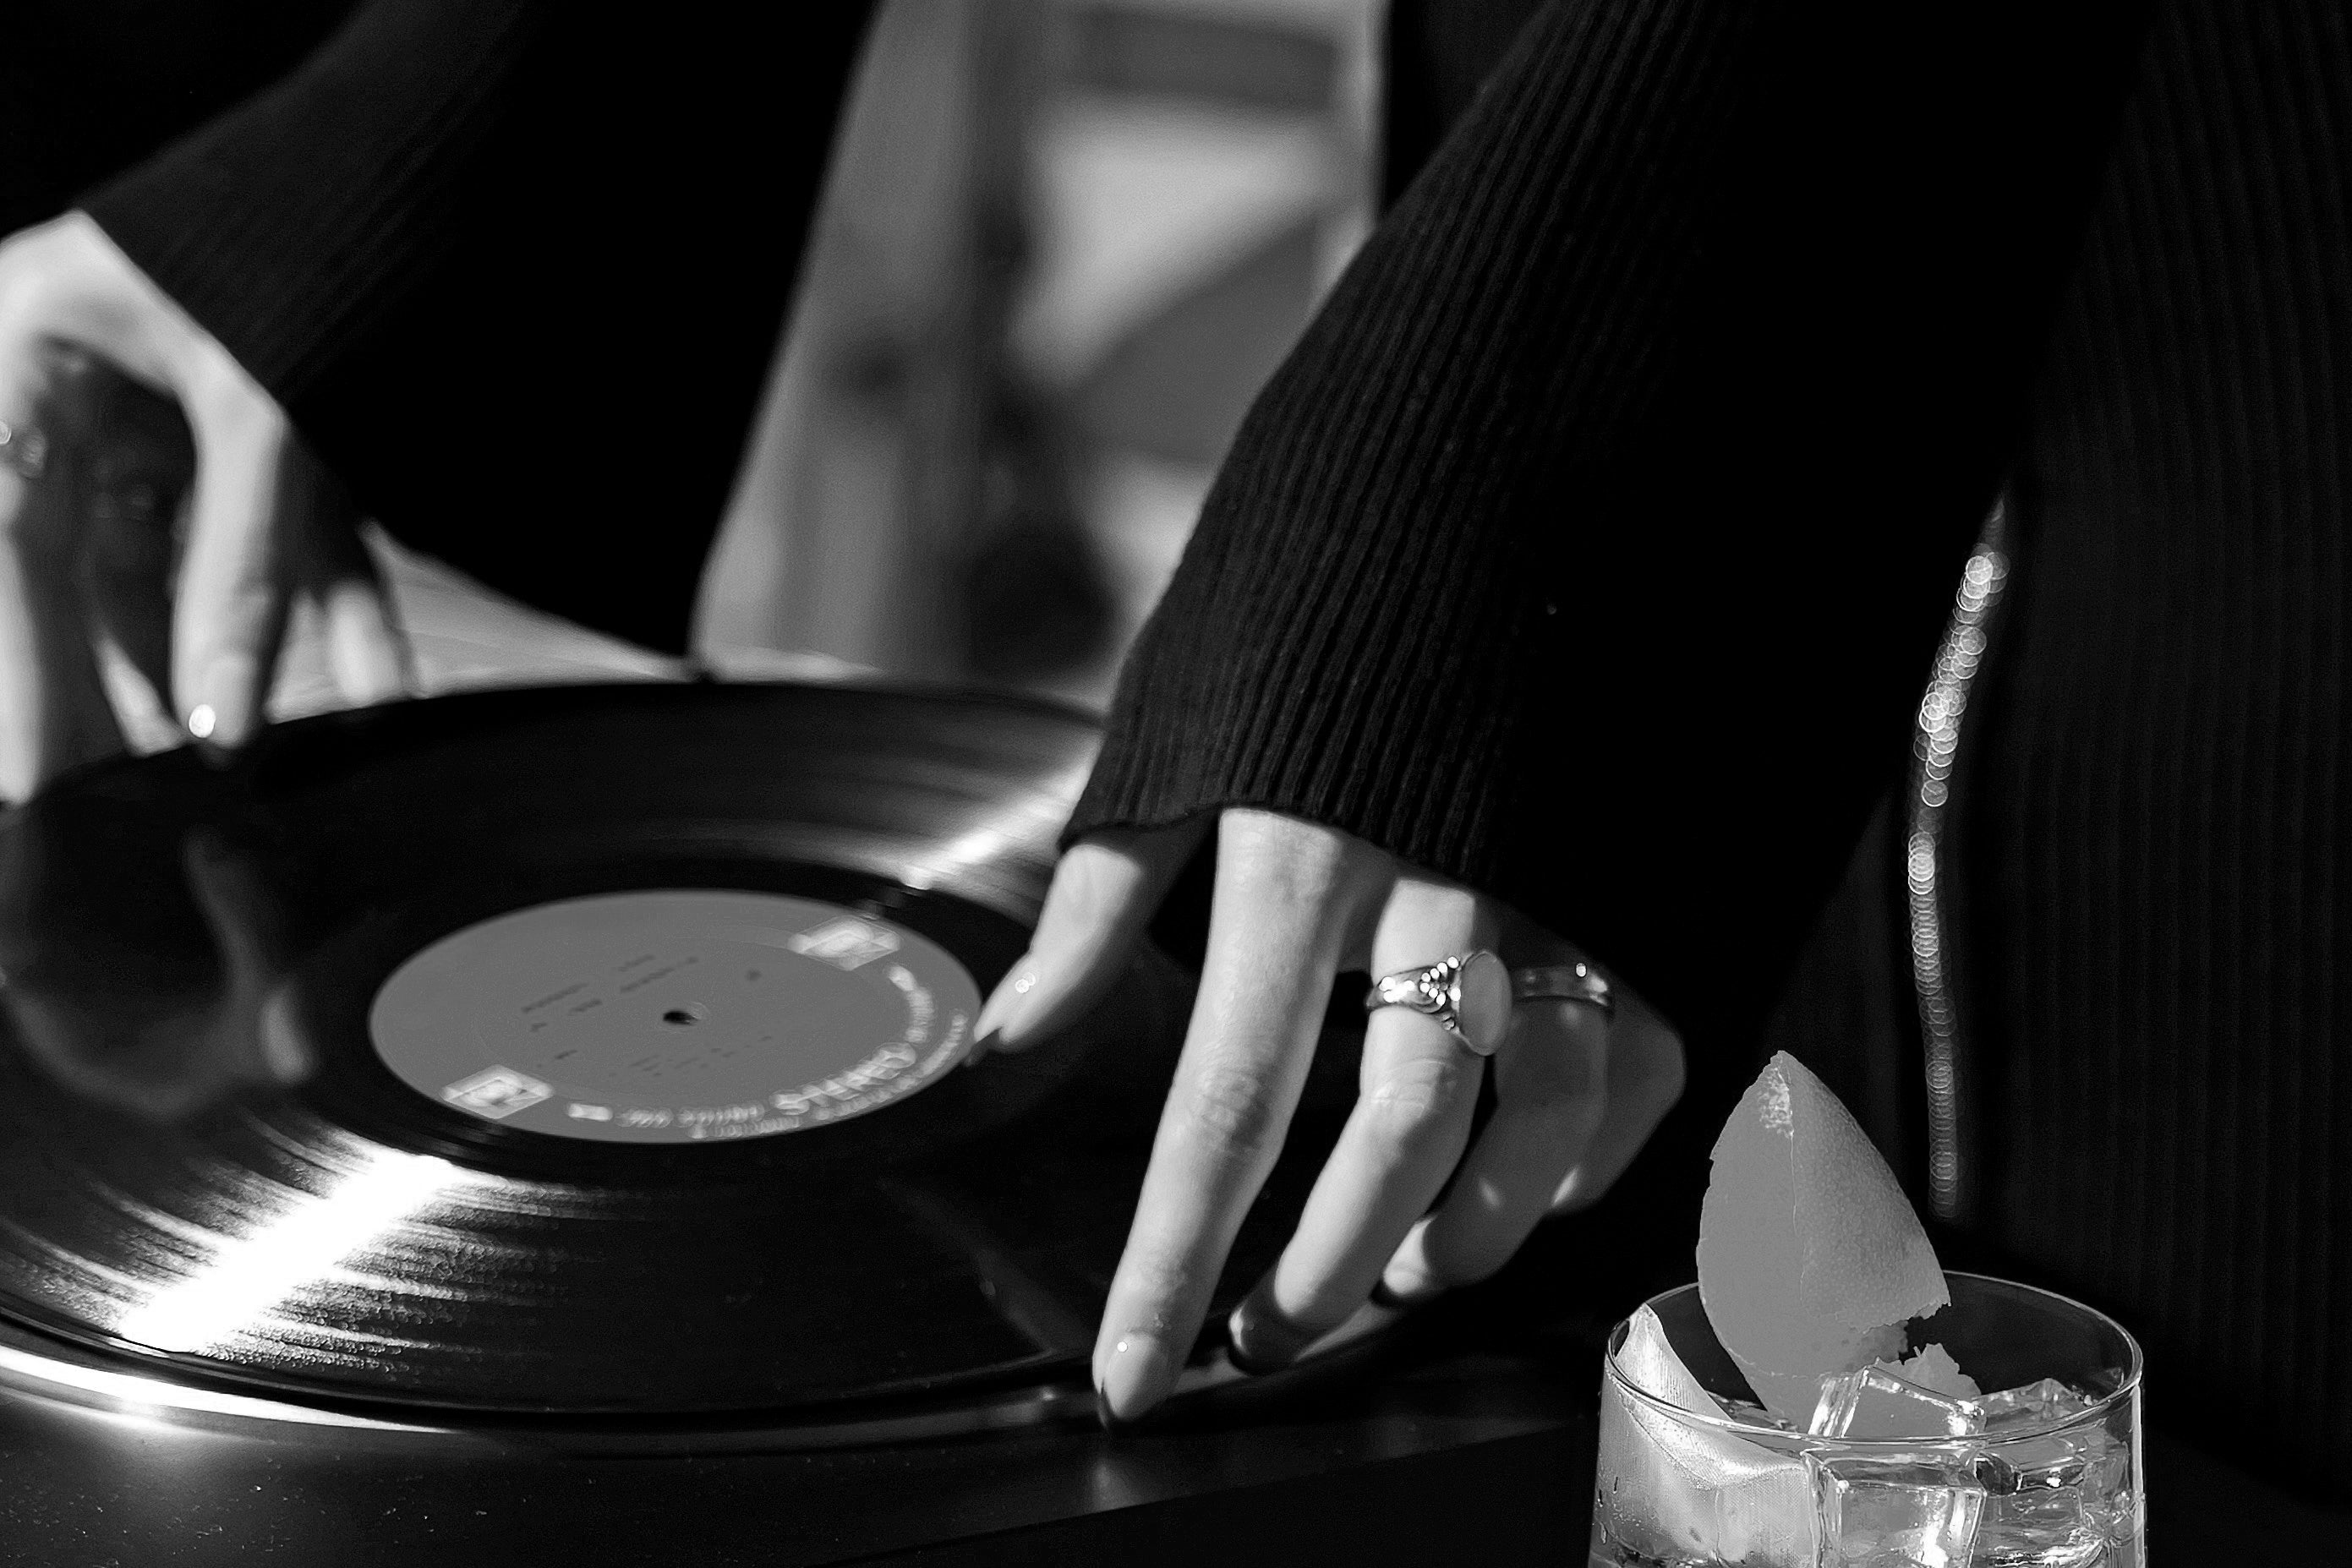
1469,993
24,452
1564,982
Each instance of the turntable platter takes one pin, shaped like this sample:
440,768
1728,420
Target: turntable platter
575,1051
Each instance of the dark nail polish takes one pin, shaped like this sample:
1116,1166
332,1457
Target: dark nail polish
1111,1424
1260,1339
1256,1365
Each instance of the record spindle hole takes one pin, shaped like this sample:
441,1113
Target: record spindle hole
683,1017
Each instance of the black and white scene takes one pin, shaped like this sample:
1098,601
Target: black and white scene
1175,782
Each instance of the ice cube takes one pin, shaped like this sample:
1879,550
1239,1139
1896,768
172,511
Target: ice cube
2060,1500
2047,1400
1877,1402
1897,1512
2034,1464
1934,1368
1674,1490
1647,1360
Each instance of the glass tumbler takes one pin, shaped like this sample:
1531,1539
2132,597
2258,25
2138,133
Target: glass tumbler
2043,1471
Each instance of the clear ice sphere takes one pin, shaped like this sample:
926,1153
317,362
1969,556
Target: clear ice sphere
1876,1402
1897,1511
1673,1491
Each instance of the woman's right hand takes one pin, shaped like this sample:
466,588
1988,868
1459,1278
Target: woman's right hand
1296,902
156,500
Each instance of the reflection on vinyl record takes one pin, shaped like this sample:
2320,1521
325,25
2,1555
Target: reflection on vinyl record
594,1050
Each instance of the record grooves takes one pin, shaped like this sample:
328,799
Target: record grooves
581,1053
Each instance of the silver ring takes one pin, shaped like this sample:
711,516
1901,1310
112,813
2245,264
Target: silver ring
24,452
1564,982
1469,993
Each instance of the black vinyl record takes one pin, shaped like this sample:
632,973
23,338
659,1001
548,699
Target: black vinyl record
576,1052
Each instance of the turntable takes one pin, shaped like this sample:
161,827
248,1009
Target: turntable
544,1123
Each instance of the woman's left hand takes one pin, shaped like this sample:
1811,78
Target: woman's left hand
1296,904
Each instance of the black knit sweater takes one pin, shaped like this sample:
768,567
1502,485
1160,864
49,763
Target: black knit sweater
516,266
2157,841
1589,548
1592,546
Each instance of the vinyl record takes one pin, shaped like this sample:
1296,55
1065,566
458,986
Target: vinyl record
592,1051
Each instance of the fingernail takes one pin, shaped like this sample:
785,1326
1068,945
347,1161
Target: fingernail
203,721
1261,1338
1012,992
225,715
1110,1422
982,1046
1135,1378
1403,1285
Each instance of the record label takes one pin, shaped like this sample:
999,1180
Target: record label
675,1017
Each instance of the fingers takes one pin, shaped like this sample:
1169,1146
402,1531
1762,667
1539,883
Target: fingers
53,709
368,656
254,491
1104,892
1577,1095
127,573
254,488
140,458
147,462
78,323
367,653
1288,895
1420,1086
1551,1084
54,713
1646,1072
102,371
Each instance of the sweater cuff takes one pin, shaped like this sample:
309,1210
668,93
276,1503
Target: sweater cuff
291,225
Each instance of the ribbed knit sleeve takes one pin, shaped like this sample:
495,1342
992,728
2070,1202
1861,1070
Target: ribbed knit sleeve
1366,549
1590,547
292,224
517,268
